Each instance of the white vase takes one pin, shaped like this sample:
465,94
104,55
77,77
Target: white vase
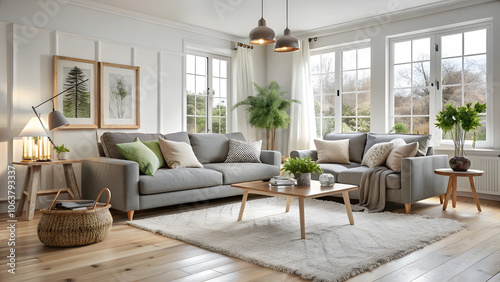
63,156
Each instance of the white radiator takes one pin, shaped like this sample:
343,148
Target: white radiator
489,182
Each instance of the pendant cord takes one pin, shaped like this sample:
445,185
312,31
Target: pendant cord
262,8
286,13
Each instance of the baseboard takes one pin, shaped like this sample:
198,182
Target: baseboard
479,195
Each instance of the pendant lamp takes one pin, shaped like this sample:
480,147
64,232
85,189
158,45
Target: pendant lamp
287,43
262,35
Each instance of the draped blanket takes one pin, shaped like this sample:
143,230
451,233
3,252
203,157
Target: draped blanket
372,190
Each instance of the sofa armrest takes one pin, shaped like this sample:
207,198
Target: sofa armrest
270,157
121,177
418,180
304,153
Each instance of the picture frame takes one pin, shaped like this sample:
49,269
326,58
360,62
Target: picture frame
79,105
119,96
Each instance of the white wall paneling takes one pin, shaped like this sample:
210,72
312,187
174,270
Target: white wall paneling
172,96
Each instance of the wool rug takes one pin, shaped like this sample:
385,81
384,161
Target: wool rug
333,249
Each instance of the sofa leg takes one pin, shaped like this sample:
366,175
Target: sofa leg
130,215
407,208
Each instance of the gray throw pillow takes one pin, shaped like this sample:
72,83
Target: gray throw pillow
243,152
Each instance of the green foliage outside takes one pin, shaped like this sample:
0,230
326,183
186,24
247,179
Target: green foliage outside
76,103
400,128
60,149
296,166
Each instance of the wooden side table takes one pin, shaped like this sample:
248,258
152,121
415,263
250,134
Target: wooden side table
32,180
452,184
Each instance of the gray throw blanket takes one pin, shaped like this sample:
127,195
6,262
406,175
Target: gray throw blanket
372,190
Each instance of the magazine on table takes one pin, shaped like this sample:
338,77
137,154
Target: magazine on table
281,181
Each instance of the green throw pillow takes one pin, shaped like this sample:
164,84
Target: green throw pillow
154,146
140,153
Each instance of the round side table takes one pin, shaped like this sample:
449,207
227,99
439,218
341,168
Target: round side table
452,183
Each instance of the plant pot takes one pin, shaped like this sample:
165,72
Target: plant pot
460,163
304,179
63,156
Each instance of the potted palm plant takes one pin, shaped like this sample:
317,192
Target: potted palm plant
268,110
301,169
458,121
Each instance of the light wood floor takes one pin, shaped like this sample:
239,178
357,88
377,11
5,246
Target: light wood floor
130,254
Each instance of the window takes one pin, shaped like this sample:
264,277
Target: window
428,72
345,72
206,93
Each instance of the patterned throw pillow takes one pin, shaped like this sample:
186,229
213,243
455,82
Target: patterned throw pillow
243,152
377,154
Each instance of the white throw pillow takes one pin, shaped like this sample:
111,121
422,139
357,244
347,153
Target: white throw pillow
178,154
332,151
398,153
243,152
377,154
398,142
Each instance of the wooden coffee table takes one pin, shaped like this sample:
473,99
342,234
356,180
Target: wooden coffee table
315,190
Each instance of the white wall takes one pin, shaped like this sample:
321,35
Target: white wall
40,31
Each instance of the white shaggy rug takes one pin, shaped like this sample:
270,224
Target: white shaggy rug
332,251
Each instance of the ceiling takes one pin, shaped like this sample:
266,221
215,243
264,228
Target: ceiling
238,17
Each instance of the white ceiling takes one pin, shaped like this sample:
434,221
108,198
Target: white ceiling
238,17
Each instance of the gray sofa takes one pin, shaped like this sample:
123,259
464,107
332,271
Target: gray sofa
415,182
131,190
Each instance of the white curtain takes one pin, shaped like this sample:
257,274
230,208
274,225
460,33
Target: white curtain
244,88
303,126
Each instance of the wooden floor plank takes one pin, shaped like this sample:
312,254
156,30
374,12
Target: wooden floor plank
481,270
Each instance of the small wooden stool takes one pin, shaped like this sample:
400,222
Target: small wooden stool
452,184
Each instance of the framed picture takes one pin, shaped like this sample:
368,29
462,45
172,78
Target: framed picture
78,104
120,96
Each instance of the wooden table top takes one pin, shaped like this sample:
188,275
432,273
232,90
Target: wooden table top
52,162
451,172
313,191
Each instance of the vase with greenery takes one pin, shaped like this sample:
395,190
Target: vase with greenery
458,121
62,152
301,169
267,110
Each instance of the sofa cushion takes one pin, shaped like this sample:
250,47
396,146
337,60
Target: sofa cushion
332,151
110,139
180,136
353,176
138,152
423,141
154,146
398,153
212,148
357,142
377,154
243,152
169,180
335,169
178,154
241,172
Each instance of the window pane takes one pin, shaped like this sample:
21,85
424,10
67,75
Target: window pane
201,65
190,84
421,101
223,107
201,106
200,124
349,104
215,67
216,86
315,64
420,125
475,93
402,52
451,45
349,60
190,64
475,42
223,88
315,80
452,94
421,74
223,68
328,107
364,80
475,69
215,125
364,58
349,81
318,128
402,102
402,76
223,126
328,62
348,125
201,85
364,104
317,106
405,120
363,124
216,102
191,125
451,70
191,104
328,126
328,81
481,131
421,49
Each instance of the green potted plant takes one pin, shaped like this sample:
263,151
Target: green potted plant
301,169
62,152
458,121
268,110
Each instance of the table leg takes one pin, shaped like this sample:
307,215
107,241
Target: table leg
448,191
288,201
34,183
473,188
69,174
347,203
454,203
243,202
25,190
302,218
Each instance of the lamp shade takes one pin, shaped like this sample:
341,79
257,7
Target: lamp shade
262,35
33,129
287,43
57,119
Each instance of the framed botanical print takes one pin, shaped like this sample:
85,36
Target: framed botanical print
119,96
79,104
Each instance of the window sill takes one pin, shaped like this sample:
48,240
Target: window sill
477,151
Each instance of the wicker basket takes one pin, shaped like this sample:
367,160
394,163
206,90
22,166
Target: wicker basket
71,228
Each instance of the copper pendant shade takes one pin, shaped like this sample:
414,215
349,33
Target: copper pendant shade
262,35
